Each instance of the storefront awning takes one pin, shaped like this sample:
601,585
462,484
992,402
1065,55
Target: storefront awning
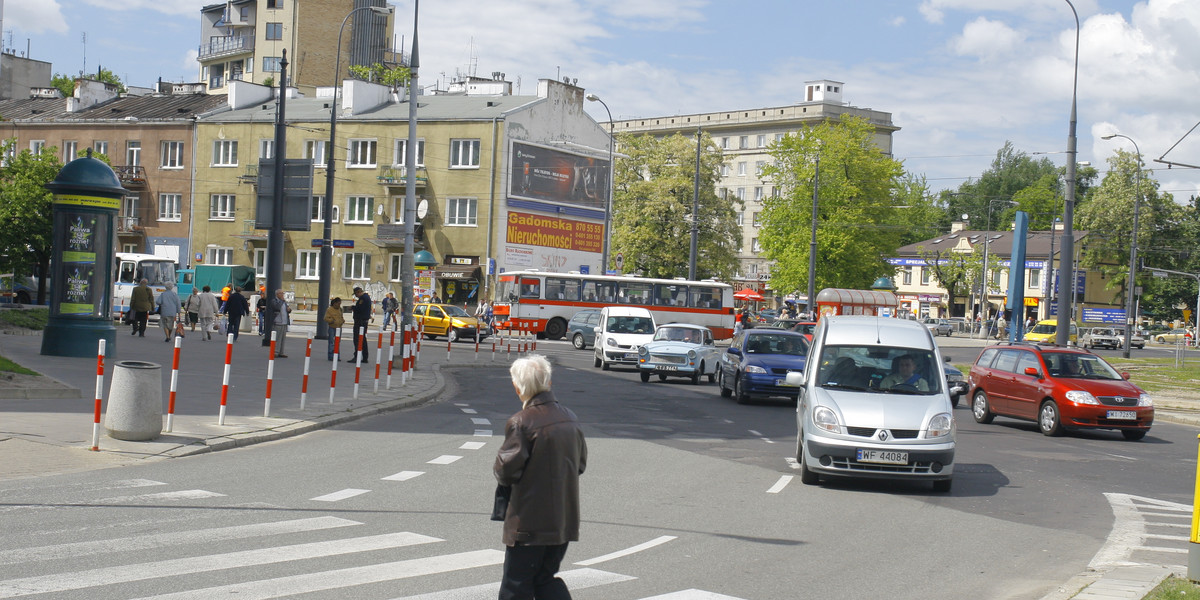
456,272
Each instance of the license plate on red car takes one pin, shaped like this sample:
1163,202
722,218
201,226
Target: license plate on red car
887,457
1122,415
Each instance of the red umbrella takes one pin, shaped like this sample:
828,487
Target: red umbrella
748,294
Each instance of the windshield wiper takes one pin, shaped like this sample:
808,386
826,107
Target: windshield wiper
846,386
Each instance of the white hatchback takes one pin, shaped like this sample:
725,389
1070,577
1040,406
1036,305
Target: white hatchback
621,333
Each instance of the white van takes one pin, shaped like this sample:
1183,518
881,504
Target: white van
622,331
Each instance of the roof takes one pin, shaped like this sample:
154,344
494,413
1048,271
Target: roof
123,108
884,331
429,108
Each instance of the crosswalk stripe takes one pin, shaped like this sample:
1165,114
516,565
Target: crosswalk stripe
404,475
45,584
162,496
340,495
481,421
161,540
470,411
472,445
295,585
692,594
576,579
444,459
483,433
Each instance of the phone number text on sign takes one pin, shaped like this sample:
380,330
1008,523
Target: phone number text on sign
553,232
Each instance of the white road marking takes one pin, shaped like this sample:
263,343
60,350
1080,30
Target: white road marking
480,421
295,585
754,433
162,540
470,411
444,459
461,404
793,463
576,579
340,495
692,594
1129,528
404,475
483,433
472,445
626,552
779,485
60,582
1161,549
163,496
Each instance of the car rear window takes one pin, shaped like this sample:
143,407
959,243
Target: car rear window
1007,361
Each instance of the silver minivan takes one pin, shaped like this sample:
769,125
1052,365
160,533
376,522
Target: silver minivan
873,403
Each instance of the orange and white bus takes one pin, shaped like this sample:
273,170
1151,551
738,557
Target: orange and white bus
544,302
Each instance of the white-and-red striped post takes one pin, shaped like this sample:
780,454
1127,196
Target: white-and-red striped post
270,377
99,396
447,347
225,378
493,348
358,354
533,338
391,356
404,347
307,362
477,344
337,346
378,365
420,333
174,385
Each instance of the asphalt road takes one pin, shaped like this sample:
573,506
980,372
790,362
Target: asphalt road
687,496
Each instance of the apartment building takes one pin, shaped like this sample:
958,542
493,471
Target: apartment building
745,136
244,40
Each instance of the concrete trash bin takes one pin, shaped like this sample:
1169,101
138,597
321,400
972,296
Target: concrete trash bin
134,401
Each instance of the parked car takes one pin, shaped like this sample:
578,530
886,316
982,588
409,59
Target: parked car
450,321
1173,336
874,403
1058,388
1135,340
582,328
621,332
1047,331
767,315
939,326
758,360
680,350
1101,337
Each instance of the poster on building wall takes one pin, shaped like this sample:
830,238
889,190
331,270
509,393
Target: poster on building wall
553,175
553,232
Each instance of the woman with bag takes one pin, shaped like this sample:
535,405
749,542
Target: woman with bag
168,309
208,311
192,307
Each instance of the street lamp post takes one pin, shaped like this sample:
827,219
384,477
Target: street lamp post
812,243
1065,308
326,259
1130,317
611,176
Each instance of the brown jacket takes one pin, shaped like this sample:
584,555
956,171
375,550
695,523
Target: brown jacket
333,316
542,457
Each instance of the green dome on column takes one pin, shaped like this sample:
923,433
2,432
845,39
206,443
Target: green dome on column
883,283
87,174
424,259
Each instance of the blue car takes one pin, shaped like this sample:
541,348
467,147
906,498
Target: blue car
758,361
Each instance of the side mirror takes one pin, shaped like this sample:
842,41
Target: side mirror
734,351
1032,372
1125,375
794,378
596,330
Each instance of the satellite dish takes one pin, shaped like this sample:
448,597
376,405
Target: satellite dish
422,208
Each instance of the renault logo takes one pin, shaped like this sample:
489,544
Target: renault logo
883,435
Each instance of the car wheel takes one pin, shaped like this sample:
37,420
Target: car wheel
645,375
696,375
942,486
807,475
452,335
739,393
1133,435
1160,339
980,408
725,393
1049,420
596,361
604,366
577,341
712,377
23,297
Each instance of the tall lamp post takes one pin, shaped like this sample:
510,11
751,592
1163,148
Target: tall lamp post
1130,319
611,175
812,244
326,259
1065,307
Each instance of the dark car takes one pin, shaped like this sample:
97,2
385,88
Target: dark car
1059,388
757,362
956,383
582,328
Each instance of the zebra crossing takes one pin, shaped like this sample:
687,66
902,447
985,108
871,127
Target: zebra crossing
1146,531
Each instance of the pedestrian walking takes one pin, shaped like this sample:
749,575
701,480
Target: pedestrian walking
390,305
225,291
141,302
192,306
361,313
236,307
283,318
168,310
208,312
543,508
334,319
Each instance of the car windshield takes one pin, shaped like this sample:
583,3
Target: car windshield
630,325
679,334
881,369
776,343
1044,328
454,311
1079,366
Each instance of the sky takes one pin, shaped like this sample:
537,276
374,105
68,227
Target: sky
960,77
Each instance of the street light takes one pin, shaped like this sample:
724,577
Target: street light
326,259
611,176
1130,319
1065,309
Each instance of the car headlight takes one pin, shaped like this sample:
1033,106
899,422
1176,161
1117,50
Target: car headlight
610,342
1145,400
754,369
643,351
940,426
826,419
1081,397
692,354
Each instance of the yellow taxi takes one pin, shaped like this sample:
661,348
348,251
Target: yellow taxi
1047,332
448,320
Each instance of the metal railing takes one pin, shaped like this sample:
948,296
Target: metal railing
130,174
127,224
225,45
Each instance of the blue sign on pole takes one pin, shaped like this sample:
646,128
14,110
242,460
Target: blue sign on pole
583,269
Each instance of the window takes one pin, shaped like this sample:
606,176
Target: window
755,246
906,276
70,149
356,265
220,256
130,248
216,76
270,64
358,209
361,154
100,148
172,155
318,210
464,153
754,266
10,152
724,170
129,206
558,288
757,219
741,218
168,207
741,194
36,146
398,210
244,13
221,207
758,167
274,3
744,142
394,266
308,264
758,193
266,149
724,143
723,193
925,273
225,153
779,137
401,153
762,140
460,211
1035,278
741,168
274,31
260,262
315,149
133,153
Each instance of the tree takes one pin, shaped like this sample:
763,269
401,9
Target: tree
652,208
26,236
66,83
1011,172
395,77
858,189
955,271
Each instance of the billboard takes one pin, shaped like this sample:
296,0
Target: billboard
555,176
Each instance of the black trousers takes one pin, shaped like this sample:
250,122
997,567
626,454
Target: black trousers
139,321
360,334
529,573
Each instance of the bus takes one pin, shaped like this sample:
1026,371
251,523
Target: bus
544,302
131,268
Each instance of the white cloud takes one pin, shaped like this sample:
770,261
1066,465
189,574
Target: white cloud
897,21
934,11
170,7
35,16
986,39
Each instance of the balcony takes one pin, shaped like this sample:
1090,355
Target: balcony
394,177
250,175
219,47
131,175
128,225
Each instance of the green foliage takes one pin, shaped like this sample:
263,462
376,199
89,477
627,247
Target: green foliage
652,207
25,215
269,82
395,77
66,83
1011,173
30,318
859,190
955,271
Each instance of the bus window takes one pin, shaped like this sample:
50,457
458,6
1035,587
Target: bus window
531,288
606,291
507,291
705,297
670,295
591,291
127,272
635,292
562,289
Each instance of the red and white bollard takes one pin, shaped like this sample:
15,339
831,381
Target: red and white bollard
358,354
225,378
476,344
307,362
391,347
493,349
447,348
378,356
174,385
337,346
270,377
99,396
420,333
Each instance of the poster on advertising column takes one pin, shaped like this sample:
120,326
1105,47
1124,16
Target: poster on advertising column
550,243
555,176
